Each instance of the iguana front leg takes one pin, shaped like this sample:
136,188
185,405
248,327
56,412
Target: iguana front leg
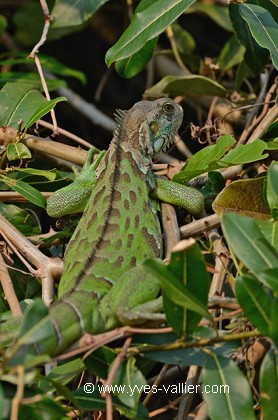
73,198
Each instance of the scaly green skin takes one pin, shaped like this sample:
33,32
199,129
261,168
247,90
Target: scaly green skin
119,230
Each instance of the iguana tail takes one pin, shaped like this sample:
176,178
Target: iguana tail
51,331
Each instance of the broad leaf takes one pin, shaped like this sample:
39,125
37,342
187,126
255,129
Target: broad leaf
188,85
189,266
243,197
255,302
18,151
199,163
26,190
263,28
129,378
19,102
246,153
269,384
74,12
130,66
146,24
174,288
43,109
233,399
248,243
272,188
255,56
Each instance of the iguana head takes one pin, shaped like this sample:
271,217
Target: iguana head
157,122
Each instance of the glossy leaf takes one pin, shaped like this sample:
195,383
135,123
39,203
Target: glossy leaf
233,399
26,190
18,151
217,13
20,218
270,279
50,175
263,28
92,400
269,384
174,288
32,79
255,56
270,231
47,62
145,25
200,161
129,377
272,188
63,374
243,197
248,243
231,54
255,302
3,24
188,85
74,12
19,102
130,66
190,268
246,153
42,110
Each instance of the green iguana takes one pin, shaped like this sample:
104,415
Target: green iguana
103,284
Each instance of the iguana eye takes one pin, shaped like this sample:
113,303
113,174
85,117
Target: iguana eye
154,127
168,107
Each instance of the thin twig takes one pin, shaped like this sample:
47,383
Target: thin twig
34,54
8,289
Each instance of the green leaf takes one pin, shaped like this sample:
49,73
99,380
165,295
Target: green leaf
19,102
48,62
42,110
90,399
269,384
175,290
63,374
263,28
18,151
255,56
231,54
129,378
130,66
32,79
145,25
1,400
243,197
188,85
188,266
3,24
272,188
255,302
199,163
233,399
45,408
20,218
246,153
50,175
26,190
74,12
270,231
248,243
270,279
217,13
